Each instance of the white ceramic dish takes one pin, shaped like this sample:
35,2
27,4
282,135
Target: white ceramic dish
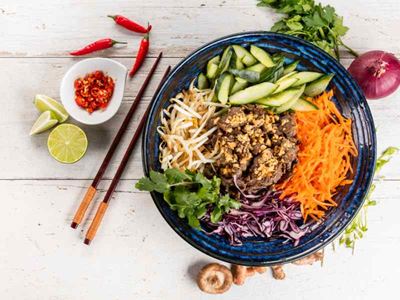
110,67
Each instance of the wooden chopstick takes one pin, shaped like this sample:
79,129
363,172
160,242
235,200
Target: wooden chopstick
104,204
92,189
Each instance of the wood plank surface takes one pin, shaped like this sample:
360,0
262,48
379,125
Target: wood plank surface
136,255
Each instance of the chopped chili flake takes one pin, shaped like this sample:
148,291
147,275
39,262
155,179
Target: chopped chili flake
94,91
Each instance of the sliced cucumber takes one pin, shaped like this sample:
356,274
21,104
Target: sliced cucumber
225,60
288,105
257,68
304,105
244,55
252,93
318,86
286,76
290,67
236,62
202,82
285,84
250,76
241,80
305,77
215,60
239,85
262,56
277,100
212,70
224,88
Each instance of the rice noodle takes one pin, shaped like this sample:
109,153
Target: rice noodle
184,131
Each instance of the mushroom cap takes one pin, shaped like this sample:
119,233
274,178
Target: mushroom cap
214,279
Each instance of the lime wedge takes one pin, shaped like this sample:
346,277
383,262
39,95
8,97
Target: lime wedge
67,143
44,103
45,121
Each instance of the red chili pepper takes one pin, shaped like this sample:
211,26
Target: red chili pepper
95,46
129,24
143,49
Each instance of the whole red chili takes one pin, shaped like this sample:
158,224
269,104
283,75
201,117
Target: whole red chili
129,24
95,46
141,55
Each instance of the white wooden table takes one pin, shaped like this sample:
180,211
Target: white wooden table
136,255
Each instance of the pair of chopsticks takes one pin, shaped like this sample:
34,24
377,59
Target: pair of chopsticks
92,189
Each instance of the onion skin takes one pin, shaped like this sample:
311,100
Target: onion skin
377,72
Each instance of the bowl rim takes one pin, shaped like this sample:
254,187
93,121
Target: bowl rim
91,60
317,246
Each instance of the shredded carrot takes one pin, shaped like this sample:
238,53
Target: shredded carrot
324,158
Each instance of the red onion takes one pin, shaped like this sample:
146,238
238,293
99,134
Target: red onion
377,72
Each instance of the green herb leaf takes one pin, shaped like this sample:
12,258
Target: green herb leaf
359,226
145,184
176,176
317,24
189,194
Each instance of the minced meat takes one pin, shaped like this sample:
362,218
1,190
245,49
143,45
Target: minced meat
257,146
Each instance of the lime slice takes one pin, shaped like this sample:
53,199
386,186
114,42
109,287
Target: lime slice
45,121
43,103
67,143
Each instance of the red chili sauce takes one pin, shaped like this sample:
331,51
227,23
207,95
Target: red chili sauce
94,91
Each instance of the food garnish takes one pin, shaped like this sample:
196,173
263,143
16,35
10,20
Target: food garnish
96,46
129,24
141,55
315,23
214,279
44,103
377,73
45,121
67,143
184,131
190,194
358,227
324,158
94,91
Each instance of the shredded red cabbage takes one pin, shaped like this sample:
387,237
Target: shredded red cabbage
262,216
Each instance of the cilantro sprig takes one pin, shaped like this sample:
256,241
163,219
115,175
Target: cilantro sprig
315,23
358,227
190,194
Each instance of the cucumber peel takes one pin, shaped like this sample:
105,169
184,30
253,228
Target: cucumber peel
252,93
262,56
318,86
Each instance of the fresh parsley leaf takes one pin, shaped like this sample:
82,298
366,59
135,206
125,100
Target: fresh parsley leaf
160,182
315,23
145,184
190,194
216,215
175,176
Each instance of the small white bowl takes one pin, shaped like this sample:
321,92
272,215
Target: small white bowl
118,73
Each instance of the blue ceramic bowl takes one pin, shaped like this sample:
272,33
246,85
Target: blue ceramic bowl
349,99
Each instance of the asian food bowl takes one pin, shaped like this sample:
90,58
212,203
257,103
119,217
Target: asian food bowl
348,197
110,69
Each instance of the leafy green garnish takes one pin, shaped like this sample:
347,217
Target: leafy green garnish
315,23
190,194
358,227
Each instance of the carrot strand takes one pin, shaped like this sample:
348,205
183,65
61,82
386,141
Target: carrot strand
324,158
